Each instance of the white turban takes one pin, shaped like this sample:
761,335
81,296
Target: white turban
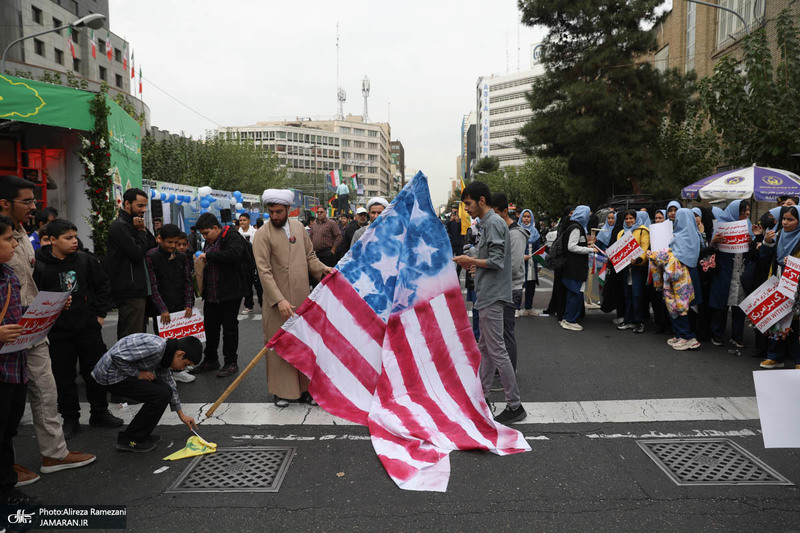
377,200
278,196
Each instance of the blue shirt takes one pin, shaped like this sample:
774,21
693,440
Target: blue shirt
342,188
131,355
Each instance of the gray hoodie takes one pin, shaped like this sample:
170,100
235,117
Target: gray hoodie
519,238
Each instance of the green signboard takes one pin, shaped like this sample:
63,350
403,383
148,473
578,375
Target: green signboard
31,101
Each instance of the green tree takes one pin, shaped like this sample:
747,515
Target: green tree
213,161
756,112
487,164
598,106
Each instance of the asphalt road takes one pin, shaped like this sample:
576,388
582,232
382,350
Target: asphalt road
584,473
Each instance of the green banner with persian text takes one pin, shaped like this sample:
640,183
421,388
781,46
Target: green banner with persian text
36,102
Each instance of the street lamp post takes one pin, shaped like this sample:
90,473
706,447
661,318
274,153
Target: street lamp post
94,21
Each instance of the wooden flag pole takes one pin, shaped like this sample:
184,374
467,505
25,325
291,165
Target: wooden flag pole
236,382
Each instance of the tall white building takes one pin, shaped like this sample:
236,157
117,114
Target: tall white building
502,110
310,149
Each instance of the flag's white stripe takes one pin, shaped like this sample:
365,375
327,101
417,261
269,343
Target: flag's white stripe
432,380
403,399
466,374
433,478
392,450
341,377
343,321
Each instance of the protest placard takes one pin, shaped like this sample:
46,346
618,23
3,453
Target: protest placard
780,427
735,237
791,273
660,235
37,320
179,326
766,306
622,252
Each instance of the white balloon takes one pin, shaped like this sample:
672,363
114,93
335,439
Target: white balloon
239,206
204,191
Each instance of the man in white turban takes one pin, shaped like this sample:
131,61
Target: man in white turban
284,259
375,207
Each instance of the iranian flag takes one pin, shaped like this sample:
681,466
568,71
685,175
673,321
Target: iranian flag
124,56
109,46
140,80
70,42
336,178
540,255
94,45
133,68
601,276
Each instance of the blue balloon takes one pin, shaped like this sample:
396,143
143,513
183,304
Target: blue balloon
204,210
170,198
197,253
163,197
152,194
237,195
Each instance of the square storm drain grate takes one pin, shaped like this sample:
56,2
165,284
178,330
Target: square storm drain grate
247,469
709,462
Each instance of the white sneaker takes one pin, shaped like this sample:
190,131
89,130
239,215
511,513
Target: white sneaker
183,376
686,344
673,341
247,311
618,321
517,313
571,326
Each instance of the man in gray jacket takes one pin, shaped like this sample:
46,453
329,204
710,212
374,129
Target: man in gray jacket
519,237
493,287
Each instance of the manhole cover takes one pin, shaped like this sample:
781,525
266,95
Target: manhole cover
709,462
251,469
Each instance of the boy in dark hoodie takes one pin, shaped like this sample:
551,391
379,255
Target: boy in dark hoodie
170,277
76,338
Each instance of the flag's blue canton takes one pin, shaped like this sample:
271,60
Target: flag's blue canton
406,243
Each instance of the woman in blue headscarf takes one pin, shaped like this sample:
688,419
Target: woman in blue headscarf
777,247
634,276
527,221
685,247
660,216
604,235
672,208
726,285
576,271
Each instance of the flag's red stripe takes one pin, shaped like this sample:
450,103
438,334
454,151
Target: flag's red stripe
363,314
411,446
386,395
317,319
455,303
443,360
397,469
300,355
416,387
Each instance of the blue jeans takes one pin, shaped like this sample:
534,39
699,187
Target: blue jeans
787,349
681,327
530,290
574,299
634,295
719,318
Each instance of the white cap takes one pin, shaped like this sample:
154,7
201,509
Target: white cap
361,211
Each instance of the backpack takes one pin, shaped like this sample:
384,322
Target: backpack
557,254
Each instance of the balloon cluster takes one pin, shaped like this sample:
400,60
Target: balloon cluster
204,193
236,201
178,199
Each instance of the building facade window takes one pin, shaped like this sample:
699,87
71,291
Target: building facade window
691,23
36,14
57,24
118,81
59,56
103,74
118,55
38,47
661,60
729,27
76,64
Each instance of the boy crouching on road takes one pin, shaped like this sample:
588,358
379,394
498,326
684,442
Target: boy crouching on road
139,367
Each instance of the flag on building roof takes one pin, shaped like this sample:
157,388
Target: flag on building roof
125,56
109,46
336,178
94,45
70,42
133,67
385,342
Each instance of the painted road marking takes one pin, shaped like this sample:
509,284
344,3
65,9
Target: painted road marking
591,412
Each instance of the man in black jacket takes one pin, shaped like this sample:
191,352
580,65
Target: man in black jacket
128,242
225,277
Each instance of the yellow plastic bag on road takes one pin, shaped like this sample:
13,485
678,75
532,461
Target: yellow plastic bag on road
194,446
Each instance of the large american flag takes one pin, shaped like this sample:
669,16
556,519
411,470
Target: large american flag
386,342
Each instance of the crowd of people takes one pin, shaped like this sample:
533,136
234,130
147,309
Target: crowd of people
687,289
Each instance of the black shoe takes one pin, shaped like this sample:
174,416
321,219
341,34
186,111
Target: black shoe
307,398
71,427
155,438
105,420
205,366
116,398
228,370
134,446
716,341
16,498
638,328
509,415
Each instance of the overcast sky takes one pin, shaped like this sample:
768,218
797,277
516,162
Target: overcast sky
244,61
